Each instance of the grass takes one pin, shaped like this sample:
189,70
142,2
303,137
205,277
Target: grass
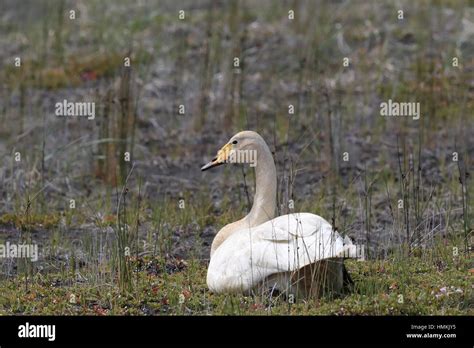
416,286
434,280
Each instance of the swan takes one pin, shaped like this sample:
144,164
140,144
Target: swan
297,254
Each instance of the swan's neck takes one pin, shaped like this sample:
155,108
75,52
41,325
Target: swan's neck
264,201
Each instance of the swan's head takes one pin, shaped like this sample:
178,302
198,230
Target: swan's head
243,147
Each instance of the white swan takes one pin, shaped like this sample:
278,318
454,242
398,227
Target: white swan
296,254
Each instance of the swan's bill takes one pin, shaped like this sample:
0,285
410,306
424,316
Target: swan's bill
211,164
221,158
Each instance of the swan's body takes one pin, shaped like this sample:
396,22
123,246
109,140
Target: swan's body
296,253
270,254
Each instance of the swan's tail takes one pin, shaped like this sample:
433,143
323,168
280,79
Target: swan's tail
349,250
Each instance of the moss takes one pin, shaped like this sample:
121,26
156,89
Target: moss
76,70
32,220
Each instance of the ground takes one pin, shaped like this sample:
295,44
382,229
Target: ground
177,287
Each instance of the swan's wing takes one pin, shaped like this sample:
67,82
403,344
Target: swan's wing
284,244
290,226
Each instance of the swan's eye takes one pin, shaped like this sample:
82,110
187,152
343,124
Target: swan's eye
234,142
